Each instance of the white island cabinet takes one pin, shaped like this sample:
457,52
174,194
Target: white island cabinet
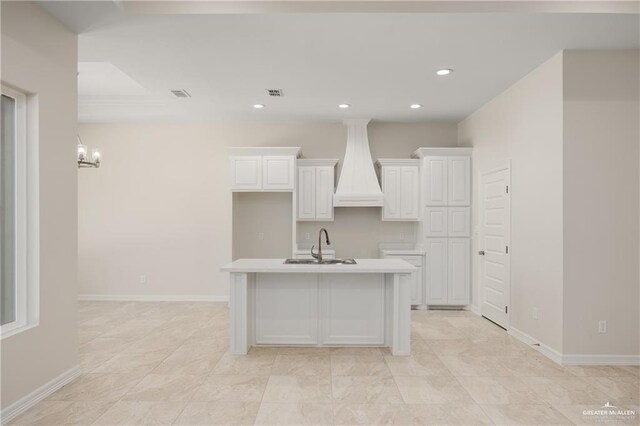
366,304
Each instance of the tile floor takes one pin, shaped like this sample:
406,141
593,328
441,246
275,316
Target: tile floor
167,363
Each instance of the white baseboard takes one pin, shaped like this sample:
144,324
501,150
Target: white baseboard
152,298
601,360
31,399
475,309
545,350
561,359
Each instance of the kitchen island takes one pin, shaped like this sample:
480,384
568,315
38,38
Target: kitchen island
278,304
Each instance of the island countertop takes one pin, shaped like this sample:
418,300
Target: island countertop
362,266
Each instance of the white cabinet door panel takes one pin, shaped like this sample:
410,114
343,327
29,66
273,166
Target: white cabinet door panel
459,177
410,192
436,271
246,173
459,221
352,308
391,181
277,172
286,309
435,189
324,193
458,273
306,193
435,221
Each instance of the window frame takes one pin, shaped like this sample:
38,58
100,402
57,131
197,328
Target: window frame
26,244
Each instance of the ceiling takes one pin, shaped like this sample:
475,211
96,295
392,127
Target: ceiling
378,63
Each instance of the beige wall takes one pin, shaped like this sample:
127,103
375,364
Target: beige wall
160,204
524,125
571,131
39,56
601,137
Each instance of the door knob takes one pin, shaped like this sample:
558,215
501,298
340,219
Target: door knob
481,252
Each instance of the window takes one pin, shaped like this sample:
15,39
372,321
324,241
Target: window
18,223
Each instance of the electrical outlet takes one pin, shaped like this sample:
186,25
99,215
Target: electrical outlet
143,279
307,236
602,326
402,236
261,236
534,313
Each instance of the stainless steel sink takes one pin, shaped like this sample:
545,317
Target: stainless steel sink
320,262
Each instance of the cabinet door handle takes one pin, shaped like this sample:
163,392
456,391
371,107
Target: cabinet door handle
481,252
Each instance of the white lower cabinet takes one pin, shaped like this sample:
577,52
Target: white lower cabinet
344,321
436,271
459,261
417,281
279,299
448,271
326,309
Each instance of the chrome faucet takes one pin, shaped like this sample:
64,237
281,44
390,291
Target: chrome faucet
318,255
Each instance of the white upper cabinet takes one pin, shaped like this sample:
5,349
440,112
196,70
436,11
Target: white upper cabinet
401,189
266,169
316,180
246,172
446,176
435,183
410,192
325,177
459,181
306,193
391,188
277,172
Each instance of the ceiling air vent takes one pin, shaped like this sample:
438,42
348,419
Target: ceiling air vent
276,93
181,93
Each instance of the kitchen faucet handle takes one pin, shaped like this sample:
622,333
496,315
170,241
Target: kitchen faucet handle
314,255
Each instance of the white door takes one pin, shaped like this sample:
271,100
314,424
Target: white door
493,246
435,181
277,172
391,190
306,193
324,192
459,177
436,271
410,194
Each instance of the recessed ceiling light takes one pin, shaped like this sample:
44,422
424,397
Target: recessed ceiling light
444,71
415,106
258,106
344,106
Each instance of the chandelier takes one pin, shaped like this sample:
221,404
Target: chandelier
83,156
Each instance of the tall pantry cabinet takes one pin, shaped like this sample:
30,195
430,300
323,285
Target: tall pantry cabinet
446,224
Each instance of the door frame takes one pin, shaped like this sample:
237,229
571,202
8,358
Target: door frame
505,166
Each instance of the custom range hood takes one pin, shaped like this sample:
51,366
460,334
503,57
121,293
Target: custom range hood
358,184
